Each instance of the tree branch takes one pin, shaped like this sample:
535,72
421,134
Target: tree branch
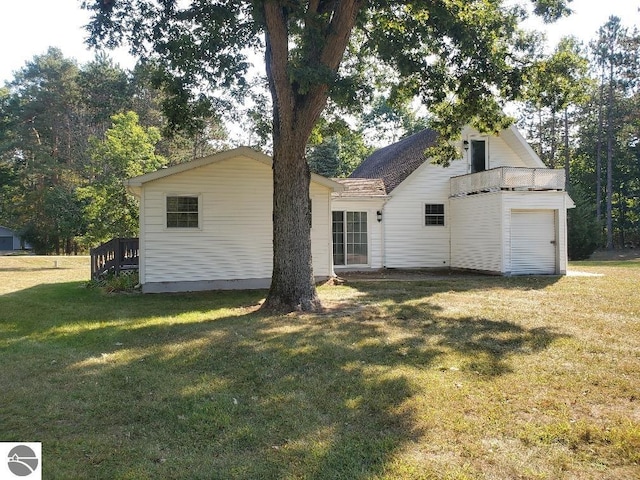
276,60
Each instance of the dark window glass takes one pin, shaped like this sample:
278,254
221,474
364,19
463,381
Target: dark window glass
182,212
478,156
434,214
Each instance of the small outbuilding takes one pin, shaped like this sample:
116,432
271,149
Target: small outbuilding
207,224
10,240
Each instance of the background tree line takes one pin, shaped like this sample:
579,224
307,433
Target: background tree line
70,134
581,113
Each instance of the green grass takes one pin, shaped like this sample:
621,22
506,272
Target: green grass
461,377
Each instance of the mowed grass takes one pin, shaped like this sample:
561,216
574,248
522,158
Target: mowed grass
453,377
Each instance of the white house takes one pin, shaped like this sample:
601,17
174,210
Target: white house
498,209
207,224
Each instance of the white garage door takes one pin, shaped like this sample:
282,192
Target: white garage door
533,242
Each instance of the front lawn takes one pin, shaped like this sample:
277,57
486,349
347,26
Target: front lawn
455,377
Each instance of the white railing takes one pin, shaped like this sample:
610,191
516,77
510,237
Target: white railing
508,178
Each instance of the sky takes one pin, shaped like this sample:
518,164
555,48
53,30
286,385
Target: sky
29,27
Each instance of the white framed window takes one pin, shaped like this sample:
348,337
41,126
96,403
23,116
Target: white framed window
433,214
182,211
350,239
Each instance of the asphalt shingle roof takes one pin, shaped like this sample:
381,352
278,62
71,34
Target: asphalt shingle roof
394,163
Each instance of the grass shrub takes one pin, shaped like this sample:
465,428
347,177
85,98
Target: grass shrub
124,282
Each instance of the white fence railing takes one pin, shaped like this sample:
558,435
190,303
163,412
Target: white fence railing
508,178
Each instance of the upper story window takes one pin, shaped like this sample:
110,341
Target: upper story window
182,211
478,155
434,214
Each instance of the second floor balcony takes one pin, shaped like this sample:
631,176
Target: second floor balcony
508,178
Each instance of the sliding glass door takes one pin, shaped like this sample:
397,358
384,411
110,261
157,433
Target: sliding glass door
350,238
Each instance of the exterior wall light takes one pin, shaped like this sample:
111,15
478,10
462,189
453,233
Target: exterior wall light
379,215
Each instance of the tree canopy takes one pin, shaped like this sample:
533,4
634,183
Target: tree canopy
462,58
54,116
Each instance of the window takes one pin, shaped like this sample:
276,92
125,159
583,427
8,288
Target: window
182,211
434,214
350,238
478,156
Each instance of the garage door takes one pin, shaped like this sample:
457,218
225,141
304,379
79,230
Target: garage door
533,242
6,243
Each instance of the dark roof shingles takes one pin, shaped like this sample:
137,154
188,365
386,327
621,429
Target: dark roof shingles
394,163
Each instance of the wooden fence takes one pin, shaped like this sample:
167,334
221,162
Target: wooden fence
115,256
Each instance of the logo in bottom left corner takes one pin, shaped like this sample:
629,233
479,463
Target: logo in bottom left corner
23,460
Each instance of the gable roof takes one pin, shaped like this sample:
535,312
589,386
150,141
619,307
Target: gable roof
361,188
138,182
394,163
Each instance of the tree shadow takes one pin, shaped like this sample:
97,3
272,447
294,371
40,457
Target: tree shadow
135,387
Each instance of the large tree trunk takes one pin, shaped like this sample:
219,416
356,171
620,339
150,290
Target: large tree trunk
292,282
552,160
296,110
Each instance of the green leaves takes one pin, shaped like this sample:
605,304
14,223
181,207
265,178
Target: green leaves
468,52
127,150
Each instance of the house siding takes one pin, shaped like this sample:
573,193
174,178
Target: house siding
501,155
234,238
408,242
481,232
476,233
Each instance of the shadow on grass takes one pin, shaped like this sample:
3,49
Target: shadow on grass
213,389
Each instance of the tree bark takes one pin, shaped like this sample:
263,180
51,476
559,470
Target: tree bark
610,106
567,156
599,154
295,112
552,160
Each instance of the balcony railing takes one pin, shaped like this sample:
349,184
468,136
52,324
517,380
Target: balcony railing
507,178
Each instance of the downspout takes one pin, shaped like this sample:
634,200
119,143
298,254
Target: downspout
383,235
332,271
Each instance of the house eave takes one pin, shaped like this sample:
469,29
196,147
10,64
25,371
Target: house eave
137,182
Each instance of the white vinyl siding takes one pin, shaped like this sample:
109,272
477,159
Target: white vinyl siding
408,243
320,230
234,240
482,229
533,242
476,233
